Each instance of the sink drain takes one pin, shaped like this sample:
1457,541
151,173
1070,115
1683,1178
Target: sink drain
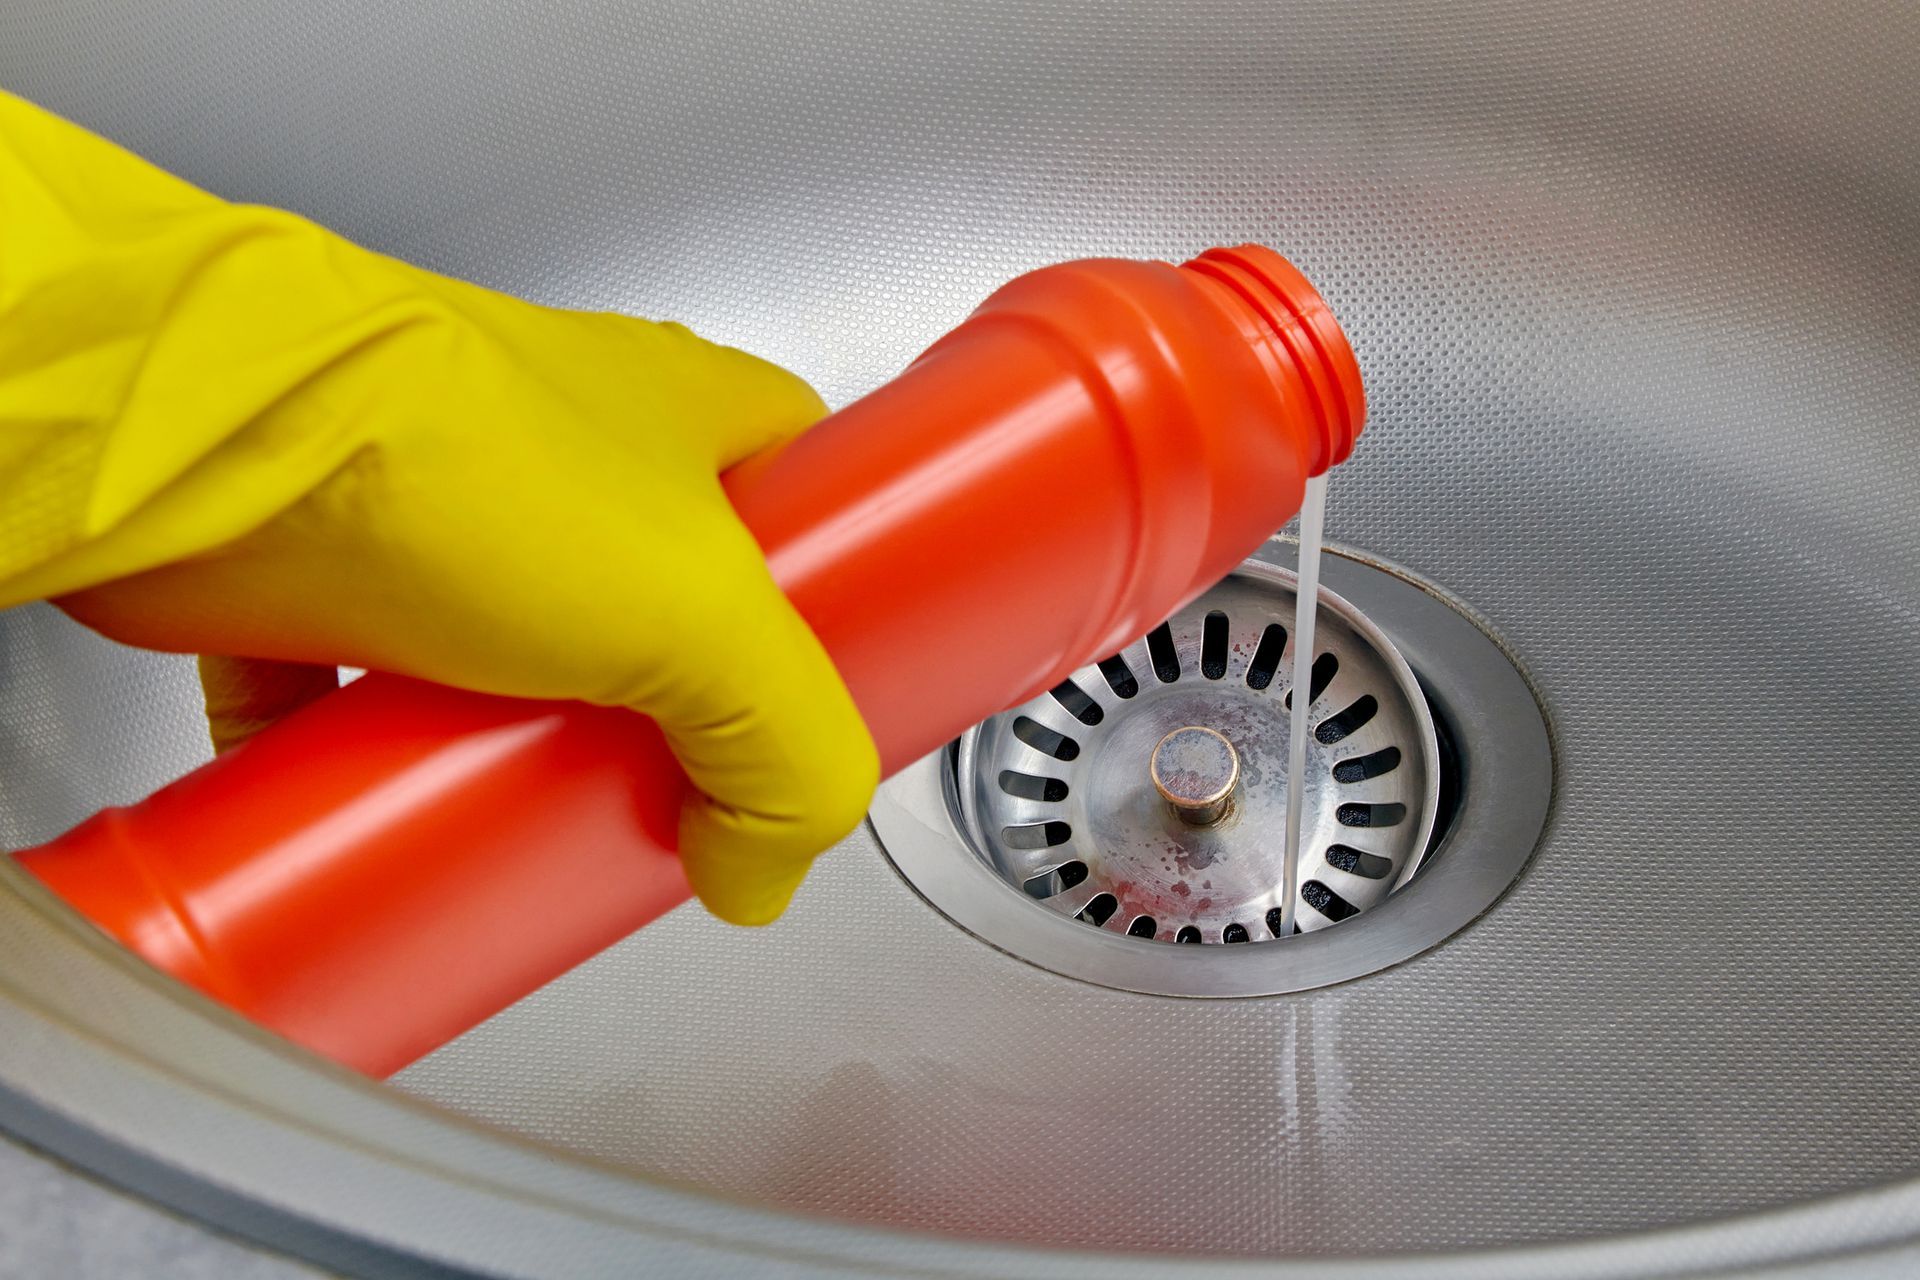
1140,804
1147,794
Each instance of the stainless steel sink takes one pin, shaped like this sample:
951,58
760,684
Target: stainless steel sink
1636,290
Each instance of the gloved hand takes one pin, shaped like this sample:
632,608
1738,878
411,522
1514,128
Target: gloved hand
227,431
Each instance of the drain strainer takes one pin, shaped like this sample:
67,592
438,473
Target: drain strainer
1148,794
1141,804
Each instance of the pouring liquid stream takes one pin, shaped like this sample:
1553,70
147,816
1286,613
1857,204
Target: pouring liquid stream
1313,517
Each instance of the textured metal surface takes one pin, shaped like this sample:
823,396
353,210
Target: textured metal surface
1634,287
105,1062
1103,843
55,1223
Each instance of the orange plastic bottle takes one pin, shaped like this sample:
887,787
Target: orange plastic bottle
1093,447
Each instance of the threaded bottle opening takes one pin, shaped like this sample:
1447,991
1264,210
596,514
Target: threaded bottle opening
1302,333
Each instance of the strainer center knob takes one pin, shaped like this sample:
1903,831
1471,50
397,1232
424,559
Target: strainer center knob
1195,769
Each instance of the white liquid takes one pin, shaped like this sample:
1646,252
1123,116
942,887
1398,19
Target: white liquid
1313,519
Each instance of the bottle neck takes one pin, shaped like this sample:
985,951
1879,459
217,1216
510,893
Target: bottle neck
1298,338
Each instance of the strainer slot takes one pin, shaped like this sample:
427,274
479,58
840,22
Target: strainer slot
1353,861
1188,934
1372,765
1036,835
1370,815
1213,645
1276,920
1055,880
1078,704
1234,933
1166,659
1327,902
1119,676
1342,724
1100,910
1266,656
1142,927
1032,786
1325,667
1042,739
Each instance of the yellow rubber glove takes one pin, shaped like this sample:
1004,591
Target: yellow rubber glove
225,430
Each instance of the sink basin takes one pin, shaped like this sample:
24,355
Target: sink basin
1636,293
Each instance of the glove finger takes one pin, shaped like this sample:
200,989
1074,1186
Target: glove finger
746,404
245,695
769,735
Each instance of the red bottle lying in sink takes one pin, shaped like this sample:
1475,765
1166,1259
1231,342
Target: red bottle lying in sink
1098,443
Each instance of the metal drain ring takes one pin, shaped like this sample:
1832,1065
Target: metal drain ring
1059,794
1504,785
